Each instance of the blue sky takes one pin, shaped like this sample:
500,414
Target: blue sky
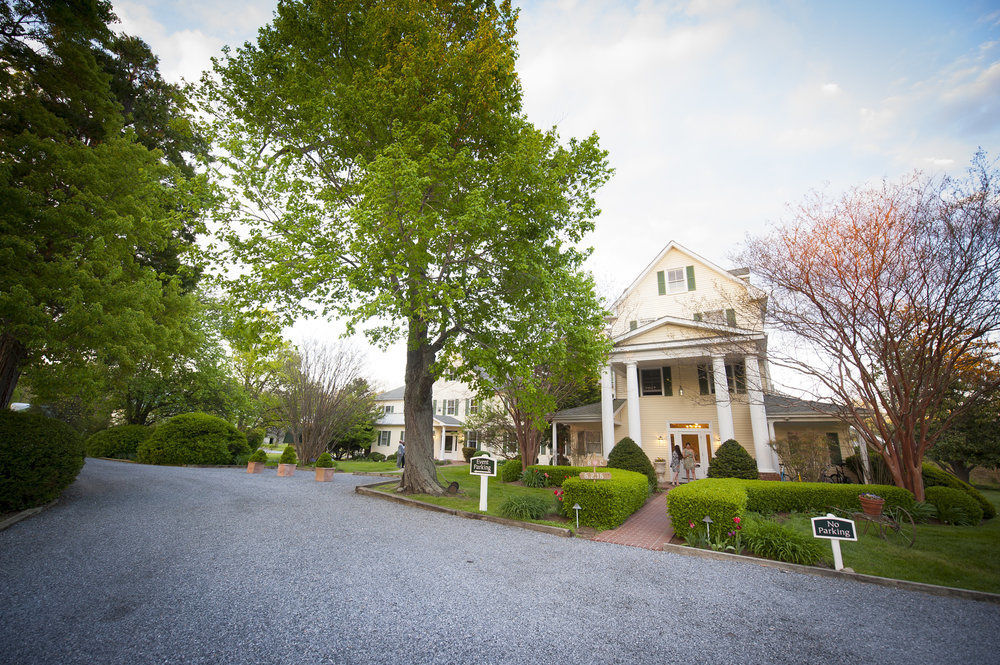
717,114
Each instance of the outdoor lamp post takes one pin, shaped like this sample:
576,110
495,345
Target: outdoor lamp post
707,521
576,507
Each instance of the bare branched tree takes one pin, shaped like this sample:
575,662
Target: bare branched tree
324,395
887,295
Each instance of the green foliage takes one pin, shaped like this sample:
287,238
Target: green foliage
468,452
193,438
880,474
935,477
954,506
604,504
629,456
721,500
377,457
731,460
526,507
258,456
255,437
558,474
39,458
288,456
510,471
533,478
391,458
324,461
120,442
771,540
922,511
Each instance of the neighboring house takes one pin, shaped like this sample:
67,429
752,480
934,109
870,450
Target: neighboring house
689,365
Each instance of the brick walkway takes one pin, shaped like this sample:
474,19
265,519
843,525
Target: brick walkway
649,527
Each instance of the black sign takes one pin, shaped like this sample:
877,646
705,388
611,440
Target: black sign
834,528
483,466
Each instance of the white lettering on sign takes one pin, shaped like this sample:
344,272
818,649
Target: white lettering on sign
599,475
483,466
834,528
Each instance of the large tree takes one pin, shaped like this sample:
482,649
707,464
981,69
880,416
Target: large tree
381,167
97,219
886,295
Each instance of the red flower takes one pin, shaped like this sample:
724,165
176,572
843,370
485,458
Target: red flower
691,524
736,519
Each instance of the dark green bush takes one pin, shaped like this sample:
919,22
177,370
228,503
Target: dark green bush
921,511
731,460
720,499
377,457
510,471
880,472
605,504
533,478
782,543
468,452
629,456
391,458
288,456
255,437
39,458
193,438
557,474
324,461
954,506
935,477
120,442
526,507
258,456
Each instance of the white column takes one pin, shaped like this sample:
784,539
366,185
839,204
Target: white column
723,406
555,455
632,385
607,412
758,417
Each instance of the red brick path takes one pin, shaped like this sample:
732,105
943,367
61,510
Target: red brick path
649,527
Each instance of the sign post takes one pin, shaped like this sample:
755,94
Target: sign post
595,475
483,466
834,529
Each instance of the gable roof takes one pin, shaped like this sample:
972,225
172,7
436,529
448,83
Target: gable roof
395,393
785,405
687,323
722,272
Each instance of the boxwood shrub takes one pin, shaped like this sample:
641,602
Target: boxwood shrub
557,474
258,456
288,456
731,460
629,456
324,461
605,504
721,499
935,477
120,442
193,438
510,471
39,458
954,506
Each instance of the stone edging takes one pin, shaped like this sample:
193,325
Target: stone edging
24,514
542,528
933,589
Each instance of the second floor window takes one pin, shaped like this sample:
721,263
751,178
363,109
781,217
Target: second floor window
451,407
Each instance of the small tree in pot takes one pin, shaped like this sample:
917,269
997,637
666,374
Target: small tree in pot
324,468
287,461
257,461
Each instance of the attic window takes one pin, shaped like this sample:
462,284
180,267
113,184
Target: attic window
676,281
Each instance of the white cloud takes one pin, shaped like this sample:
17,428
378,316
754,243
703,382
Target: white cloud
183,53
830,89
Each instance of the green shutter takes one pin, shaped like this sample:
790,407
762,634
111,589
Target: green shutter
632,325
731,317
697,316
690,276
434,406
661,283
668,387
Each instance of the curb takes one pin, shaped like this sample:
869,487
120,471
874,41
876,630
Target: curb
541,528
932,589
25,514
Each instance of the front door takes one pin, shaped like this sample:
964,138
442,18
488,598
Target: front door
449,443
698,436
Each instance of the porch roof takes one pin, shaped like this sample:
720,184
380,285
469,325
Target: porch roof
439,420
585,414
783,406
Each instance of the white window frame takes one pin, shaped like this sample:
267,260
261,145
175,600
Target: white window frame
384,435
472,438
451,407
676,280
389,408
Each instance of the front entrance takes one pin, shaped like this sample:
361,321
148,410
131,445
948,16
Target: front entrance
449,443
698,435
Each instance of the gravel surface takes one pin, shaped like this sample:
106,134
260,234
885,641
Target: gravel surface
141,564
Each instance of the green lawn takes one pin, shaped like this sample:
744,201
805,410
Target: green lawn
956,556
347,466
469,501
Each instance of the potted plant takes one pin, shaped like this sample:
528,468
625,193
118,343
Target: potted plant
324,468
871,504
287,461
256,462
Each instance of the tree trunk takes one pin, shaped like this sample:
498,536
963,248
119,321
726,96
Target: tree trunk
961,471
12,357
419,472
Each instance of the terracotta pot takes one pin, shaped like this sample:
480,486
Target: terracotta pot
871,507
286,469
255,467
324,475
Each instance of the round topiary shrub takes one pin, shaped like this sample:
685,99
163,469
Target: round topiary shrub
120,442
629,456
935,477
732,461
258,456
193,438
288,456
954,506
510,471
324,461
468,452
39,458
377,457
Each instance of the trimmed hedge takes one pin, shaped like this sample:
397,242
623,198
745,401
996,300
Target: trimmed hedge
731,460
468,452
39,458
725,498
324,461
935,477
629,456
558,474
288,456
510,471
193,438
605,504
954,506
120,442
258,456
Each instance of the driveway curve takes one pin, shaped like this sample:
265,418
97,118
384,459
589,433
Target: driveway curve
142,564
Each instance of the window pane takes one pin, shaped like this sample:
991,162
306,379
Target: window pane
650,383
676,281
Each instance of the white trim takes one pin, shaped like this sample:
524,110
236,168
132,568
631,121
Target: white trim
686,323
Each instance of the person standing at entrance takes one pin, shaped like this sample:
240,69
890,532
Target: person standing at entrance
400,455
675,464
688,462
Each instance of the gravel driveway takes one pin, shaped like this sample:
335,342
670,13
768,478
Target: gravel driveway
140,564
